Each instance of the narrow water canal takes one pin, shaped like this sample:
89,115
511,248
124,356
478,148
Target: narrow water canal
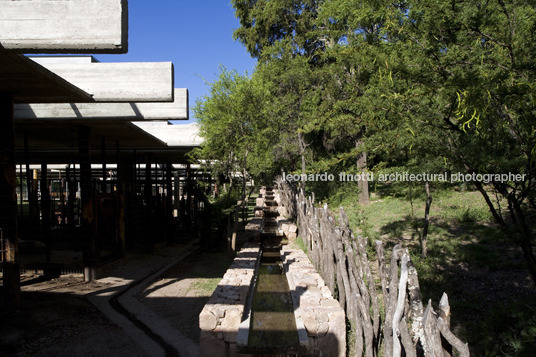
273,325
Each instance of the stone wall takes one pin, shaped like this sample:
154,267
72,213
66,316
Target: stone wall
321,314
220,318
284,224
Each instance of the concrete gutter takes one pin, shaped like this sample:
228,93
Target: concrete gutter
146,328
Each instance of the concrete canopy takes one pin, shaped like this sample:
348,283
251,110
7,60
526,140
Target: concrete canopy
176,110
29,82
118,82
186,135
66,26
57,143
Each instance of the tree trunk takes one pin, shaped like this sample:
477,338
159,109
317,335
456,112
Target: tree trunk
526,239
303,146
362,168
244,172
494,212
424,250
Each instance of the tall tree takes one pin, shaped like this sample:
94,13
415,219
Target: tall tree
469,76
264,24
230,120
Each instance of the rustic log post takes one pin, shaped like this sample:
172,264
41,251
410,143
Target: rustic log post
343,283
382,268
432,338
390,303
462,348
371,284
235,226
399,309
444,314
405,338
416,305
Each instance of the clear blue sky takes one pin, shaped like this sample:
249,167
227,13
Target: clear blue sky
197,36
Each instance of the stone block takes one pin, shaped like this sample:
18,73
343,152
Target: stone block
230,325
330,303
207,320
291,235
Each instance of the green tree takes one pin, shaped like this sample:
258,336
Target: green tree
463,73
230,120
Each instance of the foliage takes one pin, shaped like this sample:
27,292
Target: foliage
416,85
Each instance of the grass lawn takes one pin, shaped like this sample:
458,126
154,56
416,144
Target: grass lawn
492,298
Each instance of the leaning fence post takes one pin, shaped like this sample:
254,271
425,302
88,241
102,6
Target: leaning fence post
235,226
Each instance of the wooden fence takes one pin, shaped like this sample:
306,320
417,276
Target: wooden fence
403,326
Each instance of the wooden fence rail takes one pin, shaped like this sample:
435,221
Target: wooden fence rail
404,326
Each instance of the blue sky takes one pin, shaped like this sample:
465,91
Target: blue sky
197,36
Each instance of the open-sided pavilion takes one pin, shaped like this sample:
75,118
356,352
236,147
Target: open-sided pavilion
90,169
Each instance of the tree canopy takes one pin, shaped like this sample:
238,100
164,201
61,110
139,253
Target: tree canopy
371,85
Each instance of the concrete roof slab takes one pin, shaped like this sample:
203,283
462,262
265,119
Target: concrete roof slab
119,82
185,135
66,26
176,110
29,82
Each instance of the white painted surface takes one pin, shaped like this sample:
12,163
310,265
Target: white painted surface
64,26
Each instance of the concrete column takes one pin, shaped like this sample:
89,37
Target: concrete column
8,205
188,196
86,197
148,198
29,177
176,191
71,197
126,190
103,152
45,209
169,203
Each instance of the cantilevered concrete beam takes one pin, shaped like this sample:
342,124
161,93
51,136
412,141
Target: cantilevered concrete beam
30,82
119,82
186,135
176,110
66,26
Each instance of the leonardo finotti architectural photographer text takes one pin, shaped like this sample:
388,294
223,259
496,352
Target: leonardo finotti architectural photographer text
405,177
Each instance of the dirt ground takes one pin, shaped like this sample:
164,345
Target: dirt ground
57,320
179,295
51,324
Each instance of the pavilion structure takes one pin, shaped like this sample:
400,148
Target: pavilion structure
89,164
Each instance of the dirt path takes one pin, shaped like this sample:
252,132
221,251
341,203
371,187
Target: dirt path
61,325
179,295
